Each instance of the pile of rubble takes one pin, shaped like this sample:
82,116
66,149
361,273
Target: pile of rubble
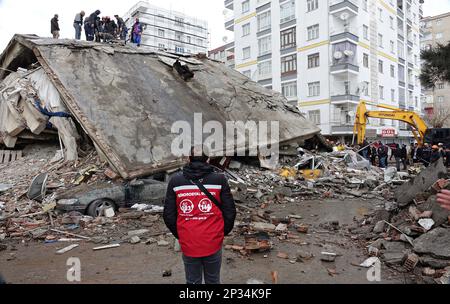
413,234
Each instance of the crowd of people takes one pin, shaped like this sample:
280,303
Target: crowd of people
101,29
380,154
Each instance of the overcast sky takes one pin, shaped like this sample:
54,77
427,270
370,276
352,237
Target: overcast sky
33,16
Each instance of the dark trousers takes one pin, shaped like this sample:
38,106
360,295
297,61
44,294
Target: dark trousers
209,267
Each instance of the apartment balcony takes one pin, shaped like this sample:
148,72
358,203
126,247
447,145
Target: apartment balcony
338,7
344,68
229,25
346,35
229,4
400,13
345,99
344,128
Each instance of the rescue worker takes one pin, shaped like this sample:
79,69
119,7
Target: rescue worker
122,29
110,30
373,154
397,154
404,157
199,210
136,32
414,157
435,154
382,152
78,24
426,155
90,25
54,26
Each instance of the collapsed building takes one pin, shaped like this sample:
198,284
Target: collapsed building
125,101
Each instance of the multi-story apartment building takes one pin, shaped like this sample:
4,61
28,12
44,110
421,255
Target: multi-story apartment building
169,30
328,55
224,54
436,30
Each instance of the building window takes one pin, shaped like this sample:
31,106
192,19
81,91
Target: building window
289,64
313,61
380,66
391,22
265,69
264,45
380,40
313,89
392,47
161,46
200,42
366,32
179,21
366,60
161,33
245,6
314,116
312,5
246,53
365,89
380,14
188,39
415,60
392,71
288,38
246,30
392,95
289,89
179,36
247,73
313,32
179,49
440,85
381,92
440,99
287,11
364,3
264,21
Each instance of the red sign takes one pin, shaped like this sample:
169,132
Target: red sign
388,133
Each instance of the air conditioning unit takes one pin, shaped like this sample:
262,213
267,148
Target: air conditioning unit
349,53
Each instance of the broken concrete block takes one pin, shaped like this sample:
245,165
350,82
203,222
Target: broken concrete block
435,243
422,182
427,224
429,272
281,228
111,174
259,226
109,212
328,256
379,227
34,119
135,240
138,232
151,241
303,228
163,243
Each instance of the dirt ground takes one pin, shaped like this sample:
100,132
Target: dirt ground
36,262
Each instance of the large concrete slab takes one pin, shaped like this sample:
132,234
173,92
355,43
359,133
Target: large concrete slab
127,99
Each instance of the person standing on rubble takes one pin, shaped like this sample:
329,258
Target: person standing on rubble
404,157
78,24
414,158
397,154
122,29
426,155
435,154
54,26
137,32
382,155
90,25
373,154
200,211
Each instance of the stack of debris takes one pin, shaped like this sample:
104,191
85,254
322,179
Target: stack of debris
415,232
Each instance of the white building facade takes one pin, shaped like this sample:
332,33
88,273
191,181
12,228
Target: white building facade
169,30
328,55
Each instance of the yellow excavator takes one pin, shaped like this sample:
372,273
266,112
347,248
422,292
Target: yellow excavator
419,127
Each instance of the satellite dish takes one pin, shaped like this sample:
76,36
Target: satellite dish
348,53
344,16
225,39
338,55
351,114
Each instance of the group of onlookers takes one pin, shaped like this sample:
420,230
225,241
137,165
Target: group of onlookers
101,29
380,154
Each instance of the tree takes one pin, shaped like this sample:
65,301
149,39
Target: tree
439,117
435,66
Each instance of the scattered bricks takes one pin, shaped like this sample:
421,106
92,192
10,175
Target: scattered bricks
429,272
439,185
411,262
303,228
111,174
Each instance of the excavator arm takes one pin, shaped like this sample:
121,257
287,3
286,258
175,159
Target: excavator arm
409,117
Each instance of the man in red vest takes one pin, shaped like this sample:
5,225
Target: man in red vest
199,211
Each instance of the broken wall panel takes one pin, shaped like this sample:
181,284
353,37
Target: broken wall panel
127,100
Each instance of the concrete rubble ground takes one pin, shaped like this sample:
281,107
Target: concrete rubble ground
322,211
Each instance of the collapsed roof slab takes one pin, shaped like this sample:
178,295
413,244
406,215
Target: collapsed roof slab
127,99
